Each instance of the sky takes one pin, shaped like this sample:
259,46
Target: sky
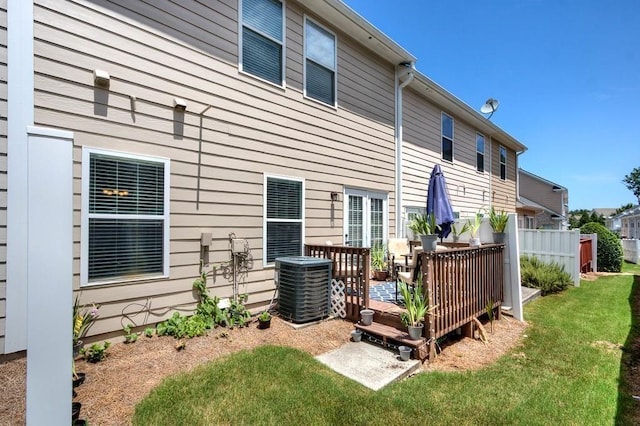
566,74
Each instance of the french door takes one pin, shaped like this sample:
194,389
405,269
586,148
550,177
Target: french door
366,217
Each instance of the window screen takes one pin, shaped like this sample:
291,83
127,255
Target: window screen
283,218
262,39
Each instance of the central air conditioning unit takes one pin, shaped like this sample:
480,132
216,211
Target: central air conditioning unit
304,287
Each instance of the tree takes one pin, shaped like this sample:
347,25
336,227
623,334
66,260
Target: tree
632,181
624,207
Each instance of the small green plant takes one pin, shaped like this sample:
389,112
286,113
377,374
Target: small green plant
237,314
498,221
424,224
378,254
148,332
180,326
459,231
489,309
96,352
474,226
415,303
129,337
264,316
548,277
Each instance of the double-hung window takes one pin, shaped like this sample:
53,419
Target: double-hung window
319,63
479,152
284,217
262,39
125,217
503,163
447,137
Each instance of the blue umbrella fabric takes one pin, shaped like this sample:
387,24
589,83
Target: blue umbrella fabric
438,202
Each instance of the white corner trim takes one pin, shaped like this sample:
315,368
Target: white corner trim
20,105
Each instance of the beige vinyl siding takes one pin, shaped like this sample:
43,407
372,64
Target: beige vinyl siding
503,191
540,192
158,50
422,150
3,169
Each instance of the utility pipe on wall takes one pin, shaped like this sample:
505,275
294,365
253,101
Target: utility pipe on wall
404,69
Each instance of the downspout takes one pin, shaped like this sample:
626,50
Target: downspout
404,69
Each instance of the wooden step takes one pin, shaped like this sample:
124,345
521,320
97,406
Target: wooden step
392,336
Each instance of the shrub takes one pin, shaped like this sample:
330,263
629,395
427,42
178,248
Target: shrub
610,253
548,277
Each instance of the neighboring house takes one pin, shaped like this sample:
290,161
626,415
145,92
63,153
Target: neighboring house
629,223
543,204
193,123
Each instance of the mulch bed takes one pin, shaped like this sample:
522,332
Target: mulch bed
114,386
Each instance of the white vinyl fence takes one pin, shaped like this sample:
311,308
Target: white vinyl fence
549,245
631,250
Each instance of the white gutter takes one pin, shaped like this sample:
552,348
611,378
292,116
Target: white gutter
404,69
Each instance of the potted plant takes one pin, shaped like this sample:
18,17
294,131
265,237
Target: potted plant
264,320
498,222
417,307
425,226
378,262
456,231
474,227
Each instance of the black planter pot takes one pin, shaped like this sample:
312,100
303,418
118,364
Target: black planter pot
81,422
75,411
80,380
264,324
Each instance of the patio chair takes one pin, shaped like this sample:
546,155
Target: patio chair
399,253
411,276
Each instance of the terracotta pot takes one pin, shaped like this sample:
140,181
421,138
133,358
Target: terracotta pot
380,275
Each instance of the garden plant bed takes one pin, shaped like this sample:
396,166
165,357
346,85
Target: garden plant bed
114,386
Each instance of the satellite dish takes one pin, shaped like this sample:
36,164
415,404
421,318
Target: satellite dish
490,107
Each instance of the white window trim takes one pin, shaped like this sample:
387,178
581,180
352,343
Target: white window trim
506,153
283,58
84,232
484,144
453,134
264,216
304,63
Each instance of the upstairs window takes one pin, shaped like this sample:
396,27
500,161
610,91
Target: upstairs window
503,163
319,63
262,39
480,152
125,217
283,226
447,137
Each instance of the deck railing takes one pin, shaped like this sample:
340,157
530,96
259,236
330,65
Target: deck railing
461,282
351,266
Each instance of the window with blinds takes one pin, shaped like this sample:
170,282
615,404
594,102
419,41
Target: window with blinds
262,52
126,218
320,63
283,218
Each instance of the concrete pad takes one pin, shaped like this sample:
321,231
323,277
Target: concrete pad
370,365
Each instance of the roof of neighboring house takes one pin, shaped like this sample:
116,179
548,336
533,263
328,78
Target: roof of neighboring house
633,211
606,211
525,202
555,186
357,27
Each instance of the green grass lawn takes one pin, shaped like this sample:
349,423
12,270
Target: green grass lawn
567,372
